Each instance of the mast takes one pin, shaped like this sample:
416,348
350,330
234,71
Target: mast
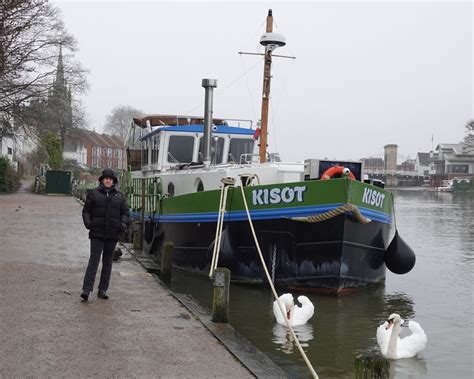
271,41
266,92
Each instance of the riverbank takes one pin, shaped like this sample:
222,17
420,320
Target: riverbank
141,331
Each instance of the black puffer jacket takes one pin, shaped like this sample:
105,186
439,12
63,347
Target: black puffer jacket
105,213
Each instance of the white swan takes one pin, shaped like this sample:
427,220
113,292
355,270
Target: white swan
394,347
296,315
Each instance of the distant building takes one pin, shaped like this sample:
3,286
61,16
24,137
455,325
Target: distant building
422,165
458,161
451,160
408,165
94,150
7,146
59,102
390,157
16,148
373,163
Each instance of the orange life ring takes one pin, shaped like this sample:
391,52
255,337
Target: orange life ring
334,170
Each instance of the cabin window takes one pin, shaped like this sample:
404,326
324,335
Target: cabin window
170,189
180,149
155,149
217,149
239,146
145,153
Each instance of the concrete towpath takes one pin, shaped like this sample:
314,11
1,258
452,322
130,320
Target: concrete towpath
141,331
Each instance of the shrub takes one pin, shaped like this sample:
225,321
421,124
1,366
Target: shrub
9,178
52,145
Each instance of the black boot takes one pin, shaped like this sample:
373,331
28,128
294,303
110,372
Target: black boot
102,295
85,296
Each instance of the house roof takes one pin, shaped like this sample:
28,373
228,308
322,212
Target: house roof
463,158
95,139
373,162
423,158
111,142
456,147
119,141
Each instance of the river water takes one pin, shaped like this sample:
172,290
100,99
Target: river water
437,293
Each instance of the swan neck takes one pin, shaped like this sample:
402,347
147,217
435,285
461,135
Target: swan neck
392,343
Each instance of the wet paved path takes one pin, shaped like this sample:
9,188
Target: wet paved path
141,331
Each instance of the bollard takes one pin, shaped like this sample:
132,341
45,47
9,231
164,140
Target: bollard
137,233
166,262
371,366
220,301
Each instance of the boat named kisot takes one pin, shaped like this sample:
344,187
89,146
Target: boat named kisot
319,224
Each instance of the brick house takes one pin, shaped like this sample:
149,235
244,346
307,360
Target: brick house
94,150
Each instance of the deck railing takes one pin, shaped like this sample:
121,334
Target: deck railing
143,193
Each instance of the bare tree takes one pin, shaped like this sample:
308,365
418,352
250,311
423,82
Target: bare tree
118,121
470,127
469,138
31,34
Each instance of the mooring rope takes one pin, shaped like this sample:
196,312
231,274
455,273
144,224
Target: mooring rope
280,305
333,213
211,271
226,182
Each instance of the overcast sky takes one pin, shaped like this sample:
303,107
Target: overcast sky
366,73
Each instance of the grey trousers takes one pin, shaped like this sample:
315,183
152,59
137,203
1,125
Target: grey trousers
106,249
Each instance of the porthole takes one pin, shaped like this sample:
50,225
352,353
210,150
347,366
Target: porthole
170,189
200,186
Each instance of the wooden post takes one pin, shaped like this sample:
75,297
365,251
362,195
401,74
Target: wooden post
368,366
220,301
136,235
166,262
142,216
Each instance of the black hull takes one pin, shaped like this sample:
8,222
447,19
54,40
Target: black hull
334,255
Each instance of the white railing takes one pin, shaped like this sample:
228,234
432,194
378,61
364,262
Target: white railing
391,172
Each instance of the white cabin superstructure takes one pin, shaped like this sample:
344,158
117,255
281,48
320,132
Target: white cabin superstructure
175,152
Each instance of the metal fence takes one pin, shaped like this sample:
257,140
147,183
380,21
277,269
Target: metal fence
143,192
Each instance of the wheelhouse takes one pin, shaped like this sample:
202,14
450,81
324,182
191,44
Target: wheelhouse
166,147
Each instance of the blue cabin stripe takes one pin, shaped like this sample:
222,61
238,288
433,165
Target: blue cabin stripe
220,129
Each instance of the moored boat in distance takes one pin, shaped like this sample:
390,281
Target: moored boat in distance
446,186
319,224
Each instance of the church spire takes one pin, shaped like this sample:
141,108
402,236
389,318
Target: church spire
60,82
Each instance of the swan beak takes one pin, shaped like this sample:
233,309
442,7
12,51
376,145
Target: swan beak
389,324
288,314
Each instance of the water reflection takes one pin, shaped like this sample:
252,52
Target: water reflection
400,303
284,340
341,327
409,368
437,293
